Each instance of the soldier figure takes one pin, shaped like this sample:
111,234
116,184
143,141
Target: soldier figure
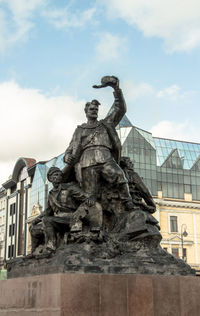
138,189
63,201
95,147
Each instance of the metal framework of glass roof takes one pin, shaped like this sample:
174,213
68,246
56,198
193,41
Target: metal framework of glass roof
189,153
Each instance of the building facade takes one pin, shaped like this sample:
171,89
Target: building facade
17,205
2,224
180,226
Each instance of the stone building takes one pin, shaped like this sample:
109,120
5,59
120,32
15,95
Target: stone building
17,204
180,227
2,223
26,196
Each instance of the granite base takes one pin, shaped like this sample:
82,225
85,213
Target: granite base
97,294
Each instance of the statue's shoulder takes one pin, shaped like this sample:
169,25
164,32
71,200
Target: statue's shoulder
80,128
84,125
88,127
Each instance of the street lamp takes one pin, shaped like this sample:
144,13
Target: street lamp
183,234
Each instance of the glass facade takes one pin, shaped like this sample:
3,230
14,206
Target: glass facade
40,184
166,165
140,147
178,168
187,153
38,187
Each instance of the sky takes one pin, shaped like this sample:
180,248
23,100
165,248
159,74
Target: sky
53,51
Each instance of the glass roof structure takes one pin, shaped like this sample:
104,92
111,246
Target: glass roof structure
188,153
166,165
124,123
147,136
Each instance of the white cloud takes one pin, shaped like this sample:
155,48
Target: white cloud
63,18
176,93
110,47
172,92
6,169
176,22
16,20
34,125
134,91
173,130
23,8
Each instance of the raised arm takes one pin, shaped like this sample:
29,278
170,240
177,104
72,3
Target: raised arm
118,108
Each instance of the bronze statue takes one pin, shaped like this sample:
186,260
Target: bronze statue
105,212
95,148
96,200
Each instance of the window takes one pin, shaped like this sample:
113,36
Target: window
10,251
11,229
187,188
175,252
173,224
12,209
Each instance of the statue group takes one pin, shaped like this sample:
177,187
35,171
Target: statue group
99,211
98,194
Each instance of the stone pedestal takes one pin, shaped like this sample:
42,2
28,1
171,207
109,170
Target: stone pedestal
100,294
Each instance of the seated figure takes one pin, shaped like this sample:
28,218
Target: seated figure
140,223
138,189
132,224
60,215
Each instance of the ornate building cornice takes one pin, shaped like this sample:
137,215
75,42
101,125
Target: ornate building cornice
177,204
